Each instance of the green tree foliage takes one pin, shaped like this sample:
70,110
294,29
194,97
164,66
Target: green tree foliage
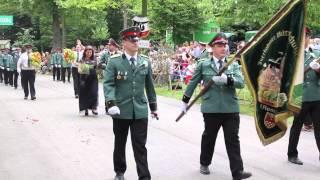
182,16
115,23
97,5
93,20
313,15
25,37
88,15
100,32
253,14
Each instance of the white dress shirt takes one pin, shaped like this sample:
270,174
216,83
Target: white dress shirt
23,63
78,56
129,57
216,61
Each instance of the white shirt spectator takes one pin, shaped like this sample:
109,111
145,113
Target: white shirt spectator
23,63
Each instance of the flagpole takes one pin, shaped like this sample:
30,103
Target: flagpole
292,108
237,55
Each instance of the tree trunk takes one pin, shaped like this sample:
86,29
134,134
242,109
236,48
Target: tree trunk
125,18
144,10
63,29
56,27
38,33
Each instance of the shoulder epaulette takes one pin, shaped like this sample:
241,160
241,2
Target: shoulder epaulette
116,55
142,55
204,59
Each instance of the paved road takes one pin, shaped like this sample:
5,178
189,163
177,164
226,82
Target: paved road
46,139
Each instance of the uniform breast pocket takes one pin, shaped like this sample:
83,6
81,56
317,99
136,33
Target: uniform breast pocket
143,72
206,96
207,75
143,101
306,84
122,75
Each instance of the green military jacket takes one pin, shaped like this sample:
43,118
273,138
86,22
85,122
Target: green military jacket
56,59
1,60
5,59
52,59
126,88
15,59
104,57
65,64
311,83
204,54
9,62
218,99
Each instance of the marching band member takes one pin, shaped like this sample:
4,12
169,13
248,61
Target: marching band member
127,78
219,107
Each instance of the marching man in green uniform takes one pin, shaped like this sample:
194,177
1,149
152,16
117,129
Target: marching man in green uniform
66,67
10,68
56,62
6,60
204,52
113,49
310,104
104,57
1,65
53,64
219,106
127,78
15,74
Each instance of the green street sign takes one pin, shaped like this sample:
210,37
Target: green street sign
6,20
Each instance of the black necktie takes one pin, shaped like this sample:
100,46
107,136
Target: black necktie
77,56
132,60
29,60
220,64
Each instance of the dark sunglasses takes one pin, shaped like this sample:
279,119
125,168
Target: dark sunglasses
132,38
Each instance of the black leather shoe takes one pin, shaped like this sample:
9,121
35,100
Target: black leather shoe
33,98
86,113
295,160
119,176
25,98
242,175
204,170
94,112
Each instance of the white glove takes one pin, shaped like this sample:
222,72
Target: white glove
220,80
59,66
2,67
114,110
314,65
184,107
8,69
55,65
